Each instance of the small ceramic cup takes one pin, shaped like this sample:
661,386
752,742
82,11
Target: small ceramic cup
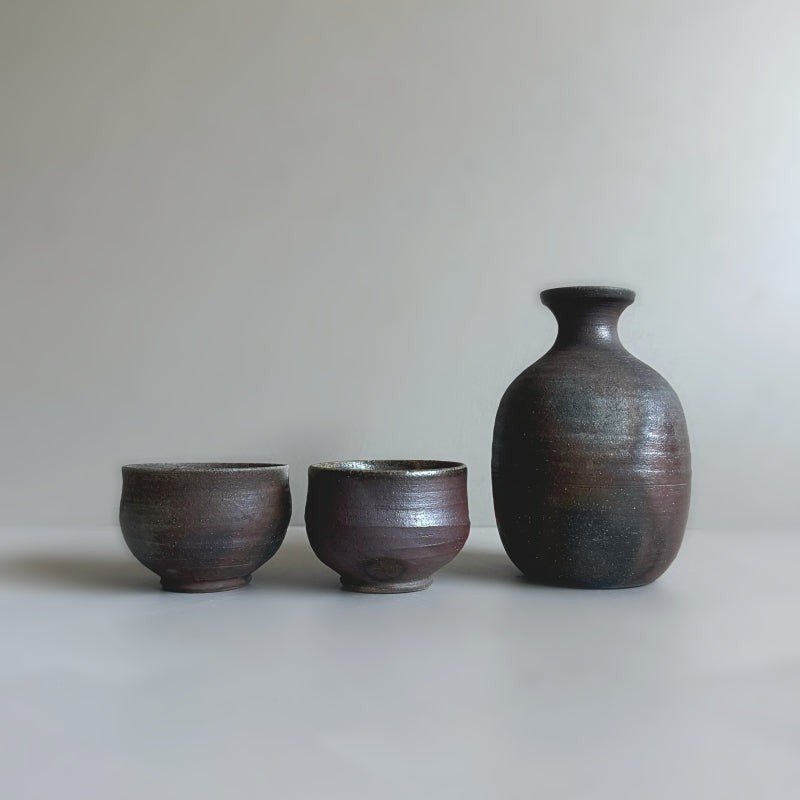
204,527
387,526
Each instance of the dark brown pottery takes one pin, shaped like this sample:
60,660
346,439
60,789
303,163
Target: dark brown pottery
590,462
204,527
387,526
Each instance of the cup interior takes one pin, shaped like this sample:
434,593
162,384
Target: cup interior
390,467
201,467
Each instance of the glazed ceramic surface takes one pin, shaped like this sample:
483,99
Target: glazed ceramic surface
204,527
590,460
387,526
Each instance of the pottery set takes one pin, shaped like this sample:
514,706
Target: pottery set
590,477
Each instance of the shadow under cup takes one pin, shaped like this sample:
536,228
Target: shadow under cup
387,526
204,527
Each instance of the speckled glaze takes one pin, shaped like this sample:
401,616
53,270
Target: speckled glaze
590,461
387,526
204,527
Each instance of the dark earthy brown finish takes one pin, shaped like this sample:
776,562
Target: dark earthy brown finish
204,527
387,526
590,461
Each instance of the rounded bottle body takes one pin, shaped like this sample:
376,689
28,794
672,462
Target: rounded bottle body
590,461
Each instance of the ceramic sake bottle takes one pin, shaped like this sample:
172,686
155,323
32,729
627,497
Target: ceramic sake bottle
591,467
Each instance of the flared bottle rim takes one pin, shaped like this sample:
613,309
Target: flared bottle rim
599,293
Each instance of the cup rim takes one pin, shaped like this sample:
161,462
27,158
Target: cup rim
188,467
389,467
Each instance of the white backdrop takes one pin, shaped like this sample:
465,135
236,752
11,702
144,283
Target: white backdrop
302,231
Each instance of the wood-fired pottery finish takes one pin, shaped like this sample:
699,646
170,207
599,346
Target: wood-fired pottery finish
204,527
590,461
387,526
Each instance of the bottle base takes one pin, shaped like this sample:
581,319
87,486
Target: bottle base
571,583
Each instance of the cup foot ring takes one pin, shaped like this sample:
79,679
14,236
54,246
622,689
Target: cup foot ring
198,587
388,587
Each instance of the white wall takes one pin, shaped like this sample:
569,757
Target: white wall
313,230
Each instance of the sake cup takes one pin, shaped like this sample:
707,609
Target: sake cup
387,526
204,527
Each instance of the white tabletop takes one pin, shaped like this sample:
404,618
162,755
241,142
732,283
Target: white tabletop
483,686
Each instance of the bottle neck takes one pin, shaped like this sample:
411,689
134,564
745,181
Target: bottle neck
587,316
589,326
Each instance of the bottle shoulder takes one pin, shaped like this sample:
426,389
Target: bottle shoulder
592,419
574,372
